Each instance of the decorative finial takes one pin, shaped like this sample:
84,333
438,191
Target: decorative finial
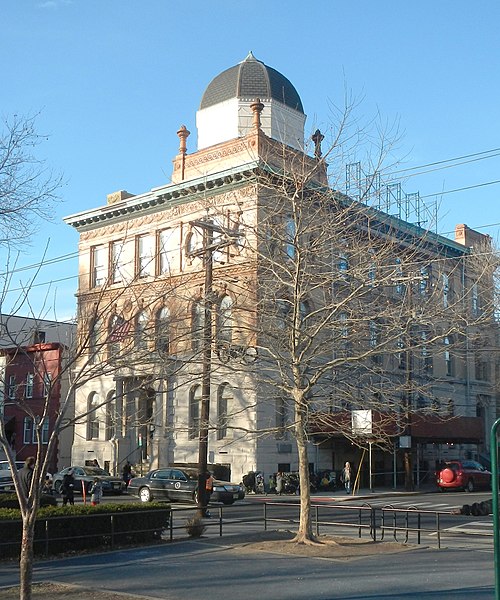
317,137
183,134
257,107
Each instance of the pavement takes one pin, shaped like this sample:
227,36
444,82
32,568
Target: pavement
338,495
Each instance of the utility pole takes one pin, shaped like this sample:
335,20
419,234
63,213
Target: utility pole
206,370
206,252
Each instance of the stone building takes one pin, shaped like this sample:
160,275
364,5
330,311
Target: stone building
144,262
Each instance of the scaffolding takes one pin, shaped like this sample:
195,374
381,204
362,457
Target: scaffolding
389,198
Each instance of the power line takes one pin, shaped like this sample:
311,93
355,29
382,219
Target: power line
448,160
470,187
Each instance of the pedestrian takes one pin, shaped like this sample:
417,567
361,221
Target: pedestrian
95,463
26,475
47,486
209,486
68,488
95,492
279,483
272,484
127,473
346,477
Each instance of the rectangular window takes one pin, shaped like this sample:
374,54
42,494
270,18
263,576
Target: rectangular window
28,390
475,300
446,290
165,251
99,265
281,419
47,384
145,255
45,431
425,276
399,287
39,337
12,387
27,430
117,261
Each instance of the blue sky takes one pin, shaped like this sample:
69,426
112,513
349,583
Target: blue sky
114,80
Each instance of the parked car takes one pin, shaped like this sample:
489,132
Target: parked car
466,475
180,484
85,476
6,480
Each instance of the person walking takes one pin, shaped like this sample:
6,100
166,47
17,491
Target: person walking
279,483
26,475
68,488
346,477
95,492
127,473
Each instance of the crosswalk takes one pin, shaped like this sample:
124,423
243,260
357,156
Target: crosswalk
419,505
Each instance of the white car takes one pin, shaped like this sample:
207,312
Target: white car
6,481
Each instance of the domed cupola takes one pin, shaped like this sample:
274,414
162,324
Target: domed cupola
225,112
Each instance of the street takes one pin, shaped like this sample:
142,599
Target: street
463,568
400,514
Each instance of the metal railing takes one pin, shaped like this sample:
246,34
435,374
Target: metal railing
403,525
108,532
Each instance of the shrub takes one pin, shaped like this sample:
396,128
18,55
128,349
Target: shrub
11,501
62,528
195,527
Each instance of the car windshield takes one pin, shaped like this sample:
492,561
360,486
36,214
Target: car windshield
191,473
95,471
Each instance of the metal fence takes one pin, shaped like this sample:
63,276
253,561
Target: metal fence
388,523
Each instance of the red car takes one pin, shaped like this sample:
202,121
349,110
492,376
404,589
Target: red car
466,475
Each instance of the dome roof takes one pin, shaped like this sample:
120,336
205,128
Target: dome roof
248,80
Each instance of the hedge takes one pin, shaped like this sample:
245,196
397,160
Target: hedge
72,528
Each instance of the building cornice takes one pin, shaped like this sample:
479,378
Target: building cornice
165,196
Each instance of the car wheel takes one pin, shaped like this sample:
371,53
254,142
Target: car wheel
228,501
442,489
195,497
470,486
57,487
145,495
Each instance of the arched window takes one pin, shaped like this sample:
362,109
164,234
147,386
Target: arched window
93,403
163,330
95,335
141,340
194,412
110,415
197,324
114,337
224,398
225,321
305,309
282,312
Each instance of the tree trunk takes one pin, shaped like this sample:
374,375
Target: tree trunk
305,532
26,557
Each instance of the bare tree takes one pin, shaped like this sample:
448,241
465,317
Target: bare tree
109,341
28,189
350,309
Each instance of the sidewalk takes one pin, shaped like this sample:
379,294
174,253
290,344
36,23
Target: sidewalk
340,495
